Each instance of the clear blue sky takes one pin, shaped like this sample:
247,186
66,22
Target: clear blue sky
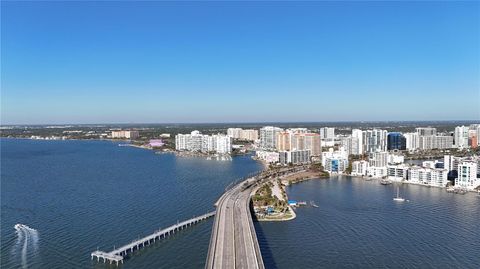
134,62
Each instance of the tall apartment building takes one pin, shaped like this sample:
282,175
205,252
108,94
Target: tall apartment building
411,141
327,136
234,132
351,144
396,141
374,140
268,137
241,134
357,135
461,136
293,140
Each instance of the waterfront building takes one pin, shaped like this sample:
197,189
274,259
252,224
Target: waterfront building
461,136
128,134
377,172
294,157
397,172
197,142
359,168
336,164
335,161
156,143
468,177
268,137
396,141
435,177
268,156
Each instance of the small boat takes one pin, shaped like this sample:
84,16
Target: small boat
450,189
312,203
385,182
398,198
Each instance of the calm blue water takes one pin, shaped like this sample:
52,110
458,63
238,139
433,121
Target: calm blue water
358,225
80,195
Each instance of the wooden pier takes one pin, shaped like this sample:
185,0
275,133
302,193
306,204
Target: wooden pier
117,255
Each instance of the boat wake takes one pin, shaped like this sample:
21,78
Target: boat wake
27,242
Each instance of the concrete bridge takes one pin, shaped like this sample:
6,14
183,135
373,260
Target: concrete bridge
117,255
234,243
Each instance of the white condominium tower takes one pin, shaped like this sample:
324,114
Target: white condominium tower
374,140
268,137
461,136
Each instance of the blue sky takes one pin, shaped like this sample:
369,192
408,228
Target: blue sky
161,62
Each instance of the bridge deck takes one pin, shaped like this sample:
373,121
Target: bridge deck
234,242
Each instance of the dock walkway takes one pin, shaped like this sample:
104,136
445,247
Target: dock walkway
117,255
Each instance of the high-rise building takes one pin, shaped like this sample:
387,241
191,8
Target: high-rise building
241,134
293,139
357,135
411,141
327,135
396,141
461,136
351,144
374,140
425,131
268,137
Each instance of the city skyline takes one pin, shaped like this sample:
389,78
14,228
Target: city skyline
212,62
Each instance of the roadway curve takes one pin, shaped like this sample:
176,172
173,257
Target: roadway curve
234,242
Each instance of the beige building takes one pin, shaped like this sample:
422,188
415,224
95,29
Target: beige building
293,141
125,134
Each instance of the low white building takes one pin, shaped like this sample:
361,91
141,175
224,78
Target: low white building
335,164
359,168
435,177
268,156
195,141
377,172
397,172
